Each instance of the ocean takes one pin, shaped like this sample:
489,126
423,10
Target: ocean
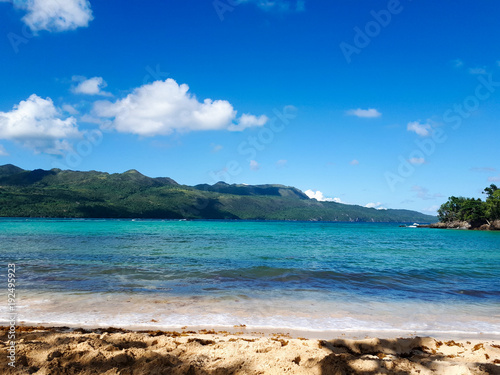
315,277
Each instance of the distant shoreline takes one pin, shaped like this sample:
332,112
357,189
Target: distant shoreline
464,225
424,225
72,194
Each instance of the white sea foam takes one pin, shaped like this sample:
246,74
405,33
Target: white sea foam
315,317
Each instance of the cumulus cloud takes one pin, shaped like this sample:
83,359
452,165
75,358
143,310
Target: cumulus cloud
416,161
3,151
55,15
377,206
37,124
248,121
423,130
254,166
364,113
91,86
162,107
354,162
318,195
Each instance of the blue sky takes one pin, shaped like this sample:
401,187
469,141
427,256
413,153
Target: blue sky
388,104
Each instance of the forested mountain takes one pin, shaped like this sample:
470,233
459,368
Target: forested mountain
72,194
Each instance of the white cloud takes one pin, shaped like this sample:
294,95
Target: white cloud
423,130
162,107
254,166
416,161
364,113
281,163
3,151
248,121
36,123
318,195
91,86
354,162
56,15
377,206
494,178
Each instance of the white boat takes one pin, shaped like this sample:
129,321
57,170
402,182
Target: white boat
414,225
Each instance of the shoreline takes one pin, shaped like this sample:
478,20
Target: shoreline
494,226
64,350
315,319
265,331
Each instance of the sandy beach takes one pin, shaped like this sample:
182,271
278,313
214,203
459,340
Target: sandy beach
44,351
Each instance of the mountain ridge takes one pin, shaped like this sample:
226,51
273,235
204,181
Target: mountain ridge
94,194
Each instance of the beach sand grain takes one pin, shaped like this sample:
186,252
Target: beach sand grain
54,351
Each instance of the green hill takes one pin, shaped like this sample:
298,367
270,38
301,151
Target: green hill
72,194
9,169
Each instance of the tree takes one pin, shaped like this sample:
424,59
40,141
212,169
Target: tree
472,210
450,211
489,191
492,209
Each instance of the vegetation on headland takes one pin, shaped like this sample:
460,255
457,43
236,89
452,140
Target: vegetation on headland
73,194
471,213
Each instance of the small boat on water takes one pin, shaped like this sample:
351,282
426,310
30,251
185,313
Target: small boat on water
414,225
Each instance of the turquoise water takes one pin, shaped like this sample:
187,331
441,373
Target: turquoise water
309,276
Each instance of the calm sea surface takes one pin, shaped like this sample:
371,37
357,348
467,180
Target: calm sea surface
291,275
